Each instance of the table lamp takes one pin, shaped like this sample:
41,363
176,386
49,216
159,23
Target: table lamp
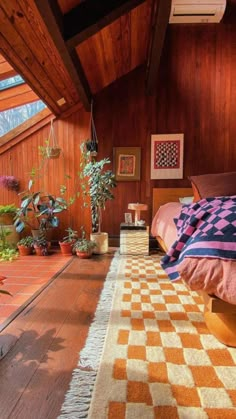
137,208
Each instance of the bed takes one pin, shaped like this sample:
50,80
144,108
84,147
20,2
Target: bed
219,299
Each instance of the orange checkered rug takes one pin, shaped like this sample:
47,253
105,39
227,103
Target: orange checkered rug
158,360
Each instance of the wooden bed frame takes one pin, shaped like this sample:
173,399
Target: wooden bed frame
220,317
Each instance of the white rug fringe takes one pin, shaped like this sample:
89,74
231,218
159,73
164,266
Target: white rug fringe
78,397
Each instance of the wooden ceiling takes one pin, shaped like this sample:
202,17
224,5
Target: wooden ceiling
69,50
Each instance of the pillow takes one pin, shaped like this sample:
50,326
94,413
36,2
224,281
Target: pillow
186,200
211,185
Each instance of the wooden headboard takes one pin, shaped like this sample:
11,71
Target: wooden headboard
161,196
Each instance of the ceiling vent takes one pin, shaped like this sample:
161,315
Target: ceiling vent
197,11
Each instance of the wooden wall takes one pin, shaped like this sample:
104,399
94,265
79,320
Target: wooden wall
22,158
195,94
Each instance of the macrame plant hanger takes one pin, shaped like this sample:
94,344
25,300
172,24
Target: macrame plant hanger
92,143
53,150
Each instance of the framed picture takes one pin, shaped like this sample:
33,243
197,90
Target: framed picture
128,218
127,163
167,156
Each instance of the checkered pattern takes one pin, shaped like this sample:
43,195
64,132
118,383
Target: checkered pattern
160,361
206,228
167,155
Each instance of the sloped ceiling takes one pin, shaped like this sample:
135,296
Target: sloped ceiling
69,50
66,63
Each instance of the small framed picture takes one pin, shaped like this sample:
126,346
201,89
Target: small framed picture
128,218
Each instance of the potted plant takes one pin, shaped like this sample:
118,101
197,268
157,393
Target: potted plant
83,247
25,245
100,183
38,210
51,150
7,214
41,244
66,244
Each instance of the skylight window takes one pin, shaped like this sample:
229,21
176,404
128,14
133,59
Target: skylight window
11,118
11,82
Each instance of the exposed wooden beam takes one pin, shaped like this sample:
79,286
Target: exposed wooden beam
50,13
16,96
161,14
6,69
91,16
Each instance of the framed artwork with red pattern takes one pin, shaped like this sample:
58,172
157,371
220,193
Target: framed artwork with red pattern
167,156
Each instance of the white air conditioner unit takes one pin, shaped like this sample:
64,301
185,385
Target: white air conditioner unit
197,11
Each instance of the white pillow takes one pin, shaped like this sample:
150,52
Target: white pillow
186,200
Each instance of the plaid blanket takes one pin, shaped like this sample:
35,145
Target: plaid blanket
206,228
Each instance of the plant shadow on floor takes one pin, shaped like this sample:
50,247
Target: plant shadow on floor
29,370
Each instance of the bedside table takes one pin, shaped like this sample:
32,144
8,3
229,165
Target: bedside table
134,239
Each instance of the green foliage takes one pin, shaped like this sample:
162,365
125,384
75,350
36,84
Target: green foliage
100,182
27,241
40,208
41,242
8,208
83,244
71,236
7,252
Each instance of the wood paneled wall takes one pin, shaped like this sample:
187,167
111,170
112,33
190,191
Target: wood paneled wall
195,94
22,158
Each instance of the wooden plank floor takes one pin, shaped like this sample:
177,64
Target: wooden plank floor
43,342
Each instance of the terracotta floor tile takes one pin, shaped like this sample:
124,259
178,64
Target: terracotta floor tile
25,276
7,309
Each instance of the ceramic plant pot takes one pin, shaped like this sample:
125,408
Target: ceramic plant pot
41,251
66,248
24,250
84,255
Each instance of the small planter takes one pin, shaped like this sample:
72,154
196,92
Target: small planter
7,218
41,250
84,255
66,248
53,152
24,250
101,240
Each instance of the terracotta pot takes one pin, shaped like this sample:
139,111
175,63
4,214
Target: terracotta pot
66,248
41,251
7,218
24,250
84,255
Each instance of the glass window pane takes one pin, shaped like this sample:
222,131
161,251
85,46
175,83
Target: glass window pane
13,117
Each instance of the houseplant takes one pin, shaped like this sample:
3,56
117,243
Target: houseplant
41,244
7,214
67,242
83,247
38,210
51,149
100,183
25,245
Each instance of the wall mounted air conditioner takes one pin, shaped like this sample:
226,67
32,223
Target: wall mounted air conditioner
197,11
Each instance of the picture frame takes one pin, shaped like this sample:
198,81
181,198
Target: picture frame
167,156
128,218
127,163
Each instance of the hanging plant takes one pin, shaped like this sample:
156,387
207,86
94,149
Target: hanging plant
51,150
92,143
10,183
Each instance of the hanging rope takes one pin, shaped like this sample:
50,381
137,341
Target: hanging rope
92,144
52,135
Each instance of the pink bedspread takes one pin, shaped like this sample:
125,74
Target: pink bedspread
214,276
